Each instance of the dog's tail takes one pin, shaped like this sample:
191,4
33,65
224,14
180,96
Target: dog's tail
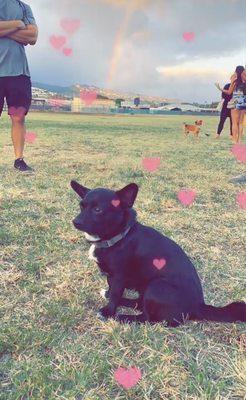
234,312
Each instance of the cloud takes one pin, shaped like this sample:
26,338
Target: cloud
136,4
152,55
141,37
195,79
201,69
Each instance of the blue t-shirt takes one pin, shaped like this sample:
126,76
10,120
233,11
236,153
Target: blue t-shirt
13,61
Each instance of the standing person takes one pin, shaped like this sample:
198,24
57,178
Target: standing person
17,29
225,112
238,102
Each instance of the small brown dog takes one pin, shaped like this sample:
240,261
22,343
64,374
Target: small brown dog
195,129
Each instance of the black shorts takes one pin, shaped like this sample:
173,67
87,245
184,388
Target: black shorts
17,90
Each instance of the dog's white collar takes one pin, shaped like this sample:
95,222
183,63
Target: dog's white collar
91,238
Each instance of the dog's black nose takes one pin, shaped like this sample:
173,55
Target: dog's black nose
77,225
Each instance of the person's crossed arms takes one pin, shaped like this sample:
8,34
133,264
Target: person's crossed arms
19,31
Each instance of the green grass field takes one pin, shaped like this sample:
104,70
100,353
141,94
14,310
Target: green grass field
52,345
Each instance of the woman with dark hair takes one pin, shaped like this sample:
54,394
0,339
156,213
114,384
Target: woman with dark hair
225,112
238,102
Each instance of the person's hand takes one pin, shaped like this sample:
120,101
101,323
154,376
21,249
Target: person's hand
218,86
20,24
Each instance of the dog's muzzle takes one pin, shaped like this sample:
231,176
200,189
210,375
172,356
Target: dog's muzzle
78,225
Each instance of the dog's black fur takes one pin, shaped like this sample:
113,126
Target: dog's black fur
172,293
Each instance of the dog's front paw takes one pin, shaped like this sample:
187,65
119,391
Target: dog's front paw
101,317
106,312
104,293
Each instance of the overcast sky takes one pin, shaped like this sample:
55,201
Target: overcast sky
138,45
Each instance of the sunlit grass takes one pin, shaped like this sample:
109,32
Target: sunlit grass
52,345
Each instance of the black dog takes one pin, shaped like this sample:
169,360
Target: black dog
137,257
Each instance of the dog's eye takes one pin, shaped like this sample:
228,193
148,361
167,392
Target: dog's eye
97,210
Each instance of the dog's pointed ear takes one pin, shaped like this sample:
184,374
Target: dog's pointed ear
79,189
127,195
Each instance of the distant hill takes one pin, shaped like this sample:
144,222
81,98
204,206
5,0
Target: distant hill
102,92
53,88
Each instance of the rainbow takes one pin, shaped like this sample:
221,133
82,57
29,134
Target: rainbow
117,47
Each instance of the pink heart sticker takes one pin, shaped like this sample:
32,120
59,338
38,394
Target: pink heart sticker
186,197
115,203
30,137
88,97
239,151
127,377
57,41
151,164
159,263
70,25
188,36
17,111
67,52
241,200
56,102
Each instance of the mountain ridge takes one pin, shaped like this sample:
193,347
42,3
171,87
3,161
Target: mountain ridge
108,93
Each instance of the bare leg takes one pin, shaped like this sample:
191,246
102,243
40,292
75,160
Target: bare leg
235,124
18,132
241,120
